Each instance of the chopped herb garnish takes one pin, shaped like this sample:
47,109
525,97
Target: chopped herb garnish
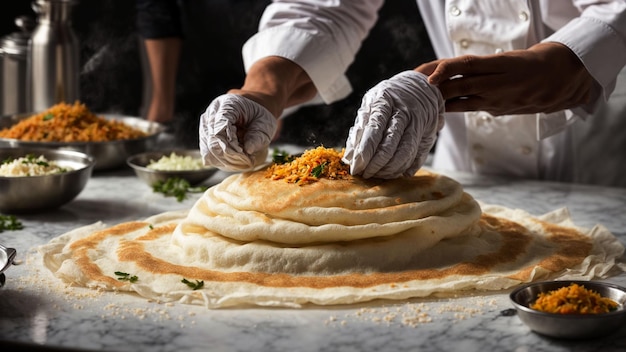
10,222
150,226
317,171
48,116
176,187
281,157
121,276
195,286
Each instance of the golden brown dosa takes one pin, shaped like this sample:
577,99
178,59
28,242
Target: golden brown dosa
254,241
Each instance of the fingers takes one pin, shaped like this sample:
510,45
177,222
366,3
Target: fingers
235,132
467,65
368,133
390,154
473,85
405,148
386,137
428,68
545,78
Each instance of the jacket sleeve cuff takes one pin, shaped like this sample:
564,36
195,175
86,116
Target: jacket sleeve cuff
324,65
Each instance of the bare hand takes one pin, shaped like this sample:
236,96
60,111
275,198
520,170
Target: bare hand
547,77
277,83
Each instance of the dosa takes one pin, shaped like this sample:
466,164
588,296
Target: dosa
253,240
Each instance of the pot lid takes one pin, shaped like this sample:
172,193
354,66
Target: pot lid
17,43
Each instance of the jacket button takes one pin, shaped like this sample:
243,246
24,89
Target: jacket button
523,16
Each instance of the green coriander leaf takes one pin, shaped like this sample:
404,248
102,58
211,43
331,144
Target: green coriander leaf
281,157
317,171
122,276
10,222
194,286
48,116
176,187
198,189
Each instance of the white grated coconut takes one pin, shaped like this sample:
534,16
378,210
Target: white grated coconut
30,165
175,162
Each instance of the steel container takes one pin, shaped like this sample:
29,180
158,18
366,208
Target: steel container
53,69
14,90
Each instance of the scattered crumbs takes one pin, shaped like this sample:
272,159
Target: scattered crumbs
103,302
415,314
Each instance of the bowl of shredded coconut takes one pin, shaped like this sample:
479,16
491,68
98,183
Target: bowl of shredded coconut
38,179
159,166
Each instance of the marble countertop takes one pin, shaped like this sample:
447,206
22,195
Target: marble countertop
35,315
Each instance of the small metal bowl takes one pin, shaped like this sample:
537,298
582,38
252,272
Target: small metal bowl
570,326
108,155
30,194
140,162
7,255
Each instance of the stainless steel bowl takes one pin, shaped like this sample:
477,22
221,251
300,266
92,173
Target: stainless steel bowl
7,255
108,155
30,194
570,326
140,162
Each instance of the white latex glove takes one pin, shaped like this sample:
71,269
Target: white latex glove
235,133
395,128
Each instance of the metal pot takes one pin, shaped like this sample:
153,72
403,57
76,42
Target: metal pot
14,88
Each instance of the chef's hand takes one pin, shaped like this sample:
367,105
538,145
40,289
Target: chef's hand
547,77
395,128
235,133
237,128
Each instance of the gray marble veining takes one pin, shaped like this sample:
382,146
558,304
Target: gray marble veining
33,315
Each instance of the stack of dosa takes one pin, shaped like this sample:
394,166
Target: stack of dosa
256,241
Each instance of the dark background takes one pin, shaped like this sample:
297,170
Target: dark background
113,79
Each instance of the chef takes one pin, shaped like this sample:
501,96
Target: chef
511,79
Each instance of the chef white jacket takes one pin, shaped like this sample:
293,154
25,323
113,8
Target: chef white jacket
323,37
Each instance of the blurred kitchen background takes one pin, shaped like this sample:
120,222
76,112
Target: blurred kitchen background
114,76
